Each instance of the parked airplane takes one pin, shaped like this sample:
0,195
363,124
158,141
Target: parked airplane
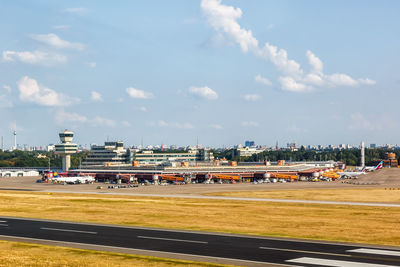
74,180
373,168
352,174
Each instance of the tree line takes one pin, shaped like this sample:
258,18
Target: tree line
18,158
350,157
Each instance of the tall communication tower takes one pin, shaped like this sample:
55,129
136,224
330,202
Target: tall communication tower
15,140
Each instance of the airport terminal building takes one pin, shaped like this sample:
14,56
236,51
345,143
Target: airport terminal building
110,154
114,154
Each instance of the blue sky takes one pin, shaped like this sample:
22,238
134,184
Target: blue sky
314,72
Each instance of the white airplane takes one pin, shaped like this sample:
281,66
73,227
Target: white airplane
352,174
373,168
74,180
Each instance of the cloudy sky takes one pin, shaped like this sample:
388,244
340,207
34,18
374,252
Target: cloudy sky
315,72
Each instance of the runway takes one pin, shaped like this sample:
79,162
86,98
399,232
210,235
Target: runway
247,249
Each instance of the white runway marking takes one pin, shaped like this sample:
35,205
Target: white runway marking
2,224
68,230
375,251
2,221
171,239
306,251
335,263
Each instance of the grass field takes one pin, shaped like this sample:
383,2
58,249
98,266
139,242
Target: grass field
24,254
357,195
375,225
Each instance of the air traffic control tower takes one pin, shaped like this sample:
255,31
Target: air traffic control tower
66,148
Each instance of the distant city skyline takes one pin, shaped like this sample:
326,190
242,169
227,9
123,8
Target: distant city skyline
221,72
246,143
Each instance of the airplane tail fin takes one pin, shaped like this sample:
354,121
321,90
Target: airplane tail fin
379,166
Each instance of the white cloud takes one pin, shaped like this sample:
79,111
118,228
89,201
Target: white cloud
101,121
313,79
258,78
279,57
204,92
291,85
316,64
250,124
31,91
367,81
96,96
76,10
341,79
63,117
34,58
251,97
140,94
224,19
53,40
60,27
216,127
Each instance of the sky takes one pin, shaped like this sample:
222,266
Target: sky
220,72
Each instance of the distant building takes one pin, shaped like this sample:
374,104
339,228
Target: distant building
389,146
152,157
249,144
247,151
50,147
238,146
18,173
292,146
111,154
372,146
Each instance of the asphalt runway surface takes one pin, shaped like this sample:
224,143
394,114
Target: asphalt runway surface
248,249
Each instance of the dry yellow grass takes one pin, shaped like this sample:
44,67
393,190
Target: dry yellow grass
357,195
375,225
24,254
